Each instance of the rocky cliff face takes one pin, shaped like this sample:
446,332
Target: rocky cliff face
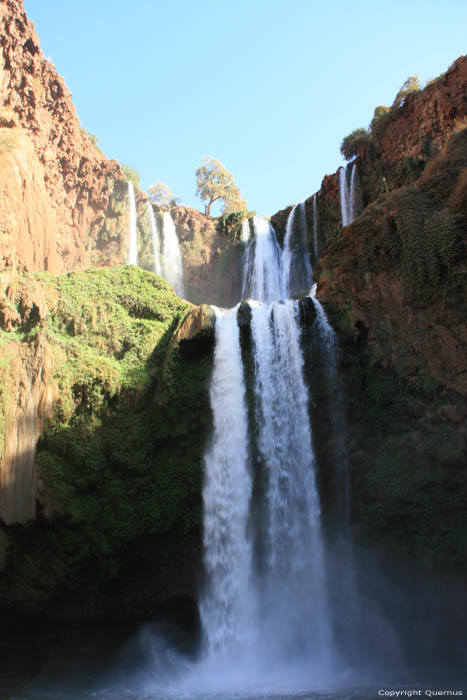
405,140
211,253
63,204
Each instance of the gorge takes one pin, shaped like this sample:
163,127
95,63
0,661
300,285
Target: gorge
233,451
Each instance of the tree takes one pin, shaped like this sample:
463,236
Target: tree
412,84
215,183
354,142
161,194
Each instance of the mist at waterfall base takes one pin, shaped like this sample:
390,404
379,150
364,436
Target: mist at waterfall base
289,607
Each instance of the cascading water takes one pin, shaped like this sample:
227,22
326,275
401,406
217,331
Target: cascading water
295,604
133,246
344,196
227,607
350,195
156,244
296,271
172,268
262,277
265,599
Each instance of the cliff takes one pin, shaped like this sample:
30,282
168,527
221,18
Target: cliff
63,204
398,147
211,252
92,363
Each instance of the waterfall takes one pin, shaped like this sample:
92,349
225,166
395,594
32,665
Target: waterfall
265,599
154,230
350,195
133,247
246,231
227,607
315,230
344,196
295,603
296,269
171,259
262,269
328,350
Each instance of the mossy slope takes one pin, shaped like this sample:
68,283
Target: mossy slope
117,462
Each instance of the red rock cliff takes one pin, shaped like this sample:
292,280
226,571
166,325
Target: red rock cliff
62,202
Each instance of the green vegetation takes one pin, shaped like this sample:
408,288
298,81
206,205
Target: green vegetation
230,225
161,194
130,174
408,481
121,458
415,233
93,139
354,142
412,84
8,141
215,183
362,138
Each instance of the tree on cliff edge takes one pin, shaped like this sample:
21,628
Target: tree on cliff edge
161,194
215,183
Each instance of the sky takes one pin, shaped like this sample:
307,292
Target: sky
268,87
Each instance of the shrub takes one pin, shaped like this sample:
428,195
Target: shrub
353,142
130,174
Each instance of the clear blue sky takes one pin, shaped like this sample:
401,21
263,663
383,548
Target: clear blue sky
269,87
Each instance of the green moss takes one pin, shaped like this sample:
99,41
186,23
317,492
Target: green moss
116,464
408,476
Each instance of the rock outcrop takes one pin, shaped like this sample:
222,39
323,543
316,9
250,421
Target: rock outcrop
63,204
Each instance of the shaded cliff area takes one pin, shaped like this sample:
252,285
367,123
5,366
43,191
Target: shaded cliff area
120,402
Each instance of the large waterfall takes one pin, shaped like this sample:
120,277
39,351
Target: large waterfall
133,242
227,606
265,599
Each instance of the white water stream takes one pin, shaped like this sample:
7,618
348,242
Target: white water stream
350,195
172,268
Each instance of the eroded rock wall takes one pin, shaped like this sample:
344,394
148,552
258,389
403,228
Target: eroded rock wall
63,204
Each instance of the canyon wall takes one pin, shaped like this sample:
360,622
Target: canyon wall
63,204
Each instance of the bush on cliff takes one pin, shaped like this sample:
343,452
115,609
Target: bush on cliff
354,142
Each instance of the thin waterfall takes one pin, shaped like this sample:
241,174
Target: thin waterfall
171,258
315,230
155,237
344,590
286,259
307,269
344,196
350,195
227,607
262,271
133,246
328,350
296,269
